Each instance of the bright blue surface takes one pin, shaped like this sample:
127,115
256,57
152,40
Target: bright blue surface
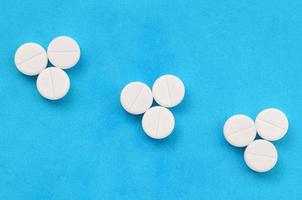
233,56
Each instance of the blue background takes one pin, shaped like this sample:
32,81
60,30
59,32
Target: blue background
233,56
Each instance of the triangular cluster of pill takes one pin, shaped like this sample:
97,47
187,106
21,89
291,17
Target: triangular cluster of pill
271,125
53,82
158,121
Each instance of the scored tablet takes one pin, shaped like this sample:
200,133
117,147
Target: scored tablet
63,52
239,130
31,59
168,91
261,155
271,124
136,98
158,122
53,83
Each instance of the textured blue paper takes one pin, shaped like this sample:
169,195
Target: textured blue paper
233,56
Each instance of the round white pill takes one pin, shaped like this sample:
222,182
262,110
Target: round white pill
261,155
239,130
53,83
158,122
168,91
63,52
271,124
136,98
31,59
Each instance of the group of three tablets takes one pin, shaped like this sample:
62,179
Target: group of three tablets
53,82
260,154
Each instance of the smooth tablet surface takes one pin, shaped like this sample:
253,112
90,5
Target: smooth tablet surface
31,59
63,52
136,98
168,91
271,124
158,122
239,130
53,83
261,156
